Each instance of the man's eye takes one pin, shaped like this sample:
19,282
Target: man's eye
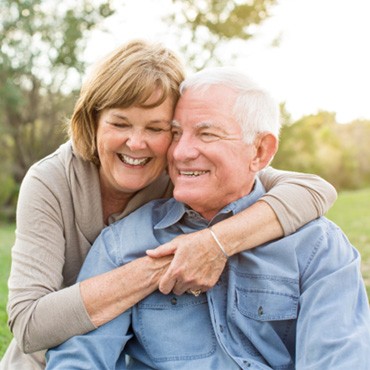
209,136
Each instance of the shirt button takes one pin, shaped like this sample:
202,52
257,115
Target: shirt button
245,362
221,328
174,301
260,311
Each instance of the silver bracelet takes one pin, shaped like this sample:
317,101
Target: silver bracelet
218,242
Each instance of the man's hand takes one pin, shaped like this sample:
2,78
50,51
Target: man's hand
197,264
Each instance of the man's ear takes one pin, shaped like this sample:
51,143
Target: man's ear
266,145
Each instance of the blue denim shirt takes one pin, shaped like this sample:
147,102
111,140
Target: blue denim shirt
295,303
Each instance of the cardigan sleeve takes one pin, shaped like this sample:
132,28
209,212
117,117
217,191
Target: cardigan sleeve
296,198
45,306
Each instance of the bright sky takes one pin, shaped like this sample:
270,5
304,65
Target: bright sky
322,61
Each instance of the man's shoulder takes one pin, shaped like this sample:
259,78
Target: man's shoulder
151,212
135,233
319,228
323,239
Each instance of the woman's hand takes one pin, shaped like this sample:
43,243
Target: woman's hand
197,263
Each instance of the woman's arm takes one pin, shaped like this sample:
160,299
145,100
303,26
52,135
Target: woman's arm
37,304
293,199
296,198
109,294
45,305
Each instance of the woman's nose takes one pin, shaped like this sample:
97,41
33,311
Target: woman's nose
136,140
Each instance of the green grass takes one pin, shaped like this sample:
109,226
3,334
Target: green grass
351,212
6,242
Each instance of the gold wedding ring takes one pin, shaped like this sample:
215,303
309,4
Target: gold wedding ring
195,292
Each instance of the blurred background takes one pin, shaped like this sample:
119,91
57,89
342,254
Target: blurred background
313,55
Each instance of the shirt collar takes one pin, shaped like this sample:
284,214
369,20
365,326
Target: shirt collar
174,211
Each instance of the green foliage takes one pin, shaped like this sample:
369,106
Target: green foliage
8,196
318,144
203,26
40,62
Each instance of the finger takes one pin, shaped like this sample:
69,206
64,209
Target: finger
167,282
161,251
179,288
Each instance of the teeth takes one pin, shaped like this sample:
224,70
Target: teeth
192,173
133,161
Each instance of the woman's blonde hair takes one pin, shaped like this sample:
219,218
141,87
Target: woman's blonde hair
126,77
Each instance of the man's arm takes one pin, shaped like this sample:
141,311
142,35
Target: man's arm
333,327
99,349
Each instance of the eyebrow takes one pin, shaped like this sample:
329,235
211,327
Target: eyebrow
175,124
199,125
118,115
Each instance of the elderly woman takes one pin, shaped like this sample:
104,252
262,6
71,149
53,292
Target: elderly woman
114,163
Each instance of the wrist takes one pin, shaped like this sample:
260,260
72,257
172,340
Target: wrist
218,243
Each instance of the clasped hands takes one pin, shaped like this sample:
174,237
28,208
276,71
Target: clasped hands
196,266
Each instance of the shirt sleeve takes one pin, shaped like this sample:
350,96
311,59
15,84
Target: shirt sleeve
296,198
103,346
40,304
333,327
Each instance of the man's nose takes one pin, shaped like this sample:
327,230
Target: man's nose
185,149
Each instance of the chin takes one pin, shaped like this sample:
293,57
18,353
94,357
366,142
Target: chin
186,197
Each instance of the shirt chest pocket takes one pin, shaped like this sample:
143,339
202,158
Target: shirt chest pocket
174,328
265,305
265,314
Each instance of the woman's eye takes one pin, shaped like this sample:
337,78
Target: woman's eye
156,129
118,125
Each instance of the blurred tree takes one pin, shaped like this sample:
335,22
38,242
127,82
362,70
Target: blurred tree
355,144
318,144
303,143
203,26
40,60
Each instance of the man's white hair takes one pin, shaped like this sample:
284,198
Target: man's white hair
254,109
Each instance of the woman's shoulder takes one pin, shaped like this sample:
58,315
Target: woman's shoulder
63,163
53,163
60,171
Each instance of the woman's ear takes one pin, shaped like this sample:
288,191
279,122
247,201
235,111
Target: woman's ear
266,145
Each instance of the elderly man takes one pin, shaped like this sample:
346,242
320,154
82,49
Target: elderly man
296,303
